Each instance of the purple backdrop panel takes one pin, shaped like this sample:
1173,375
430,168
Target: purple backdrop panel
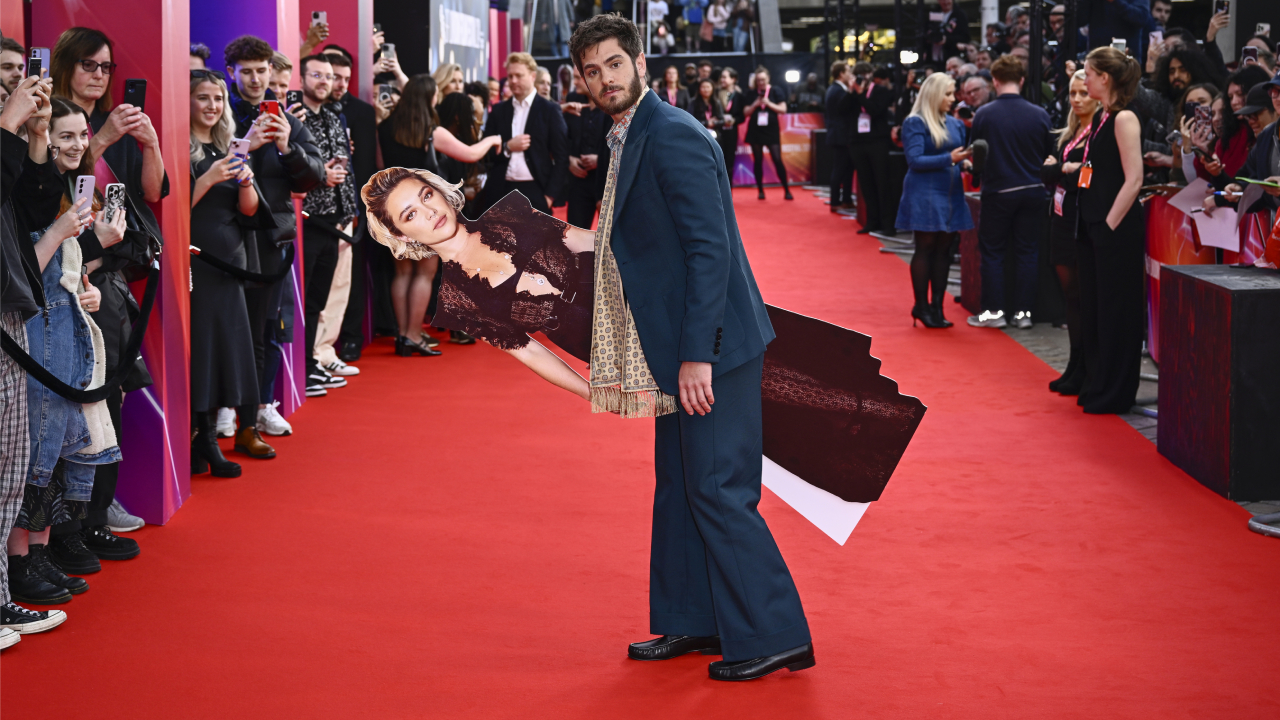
216,24
795,133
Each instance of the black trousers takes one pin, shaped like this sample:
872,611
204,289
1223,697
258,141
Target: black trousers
581,199
1113,313
263,303
353,321
319,261
728,140
714,567
841,175
104,482
496,188
875,200
1011,226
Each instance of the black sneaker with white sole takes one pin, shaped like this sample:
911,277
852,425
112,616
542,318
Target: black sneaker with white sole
108,546
315,389
24,621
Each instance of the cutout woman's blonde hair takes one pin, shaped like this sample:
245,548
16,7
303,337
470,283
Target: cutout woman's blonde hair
383,227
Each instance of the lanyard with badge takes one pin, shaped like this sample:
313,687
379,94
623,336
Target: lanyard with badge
1060,193
864,118
1086,169
762,115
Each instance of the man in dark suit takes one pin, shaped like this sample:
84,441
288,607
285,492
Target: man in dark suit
669,236
535,149
362,121
838,126
869,147
588,155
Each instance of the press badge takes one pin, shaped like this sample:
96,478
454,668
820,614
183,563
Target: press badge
1059,195
864,123
762,118
1086,176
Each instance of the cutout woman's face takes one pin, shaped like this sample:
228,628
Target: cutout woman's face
421,214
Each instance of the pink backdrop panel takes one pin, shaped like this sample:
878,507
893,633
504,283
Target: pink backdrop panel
151,42
796,132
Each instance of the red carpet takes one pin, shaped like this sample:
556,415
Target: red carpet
453,538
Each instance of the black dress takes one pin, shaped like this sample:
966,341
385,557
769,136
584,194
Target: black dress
406,156
503,317
1113,313
1062,225
770,133
223,370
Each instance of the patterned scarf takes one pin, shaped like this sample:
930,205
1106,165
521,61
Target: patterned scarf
620,379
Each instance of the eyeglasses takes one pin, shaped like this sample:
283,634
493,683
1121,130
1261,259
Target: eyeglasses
92,66
196,74
318,76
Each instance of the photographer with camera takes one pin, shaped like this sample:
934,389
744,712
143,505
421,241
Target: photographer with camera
948,29
871,99
285,160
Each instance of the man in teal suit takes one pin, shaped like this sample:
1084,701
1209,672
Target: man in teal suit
680,328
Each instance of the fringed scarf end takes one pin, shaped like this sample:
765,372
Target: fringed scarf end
642,404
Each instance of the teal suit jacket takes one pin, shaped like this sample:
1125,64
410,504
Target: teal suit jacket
684,269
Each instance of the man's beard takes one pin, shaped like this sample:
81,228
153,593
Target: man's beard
621,102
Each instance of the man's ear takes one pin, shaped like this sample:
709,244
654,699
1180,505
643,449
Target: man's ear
1021,82
641,68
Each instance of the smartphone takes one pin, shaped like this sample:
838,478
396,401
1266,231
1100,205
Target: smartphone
319,17
377,27
38,63
114,201
384,97
388,51
1120,44
84,189
292,97
343,161
135,93
1249,55
270,107
1155,38
1189,109
239,148
1221,6
1204,114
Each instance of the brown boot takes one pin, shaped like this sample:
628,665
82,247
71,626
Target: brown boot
249,442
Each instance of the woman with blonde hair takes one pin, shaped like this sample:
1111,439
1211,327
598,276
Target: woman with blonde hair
933,204
1112,238
448,79
1062,173
225,210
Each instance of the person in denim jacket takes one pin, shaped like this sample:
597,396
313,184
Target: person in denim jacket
68,439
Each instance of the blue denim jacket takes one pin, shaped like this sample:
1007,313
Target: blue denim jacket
59,339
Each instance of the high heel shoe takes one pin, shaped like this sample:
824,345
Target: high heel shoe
924,313
205,454
939,316
761,191
407,348
787,194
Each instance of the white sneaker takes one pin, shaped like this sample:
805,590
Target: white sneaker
120,521
271,423
24,622
337,367
988,319
8,638
1022,319
226,422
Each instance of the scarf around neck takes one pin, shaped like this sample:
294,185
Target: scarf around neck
620,379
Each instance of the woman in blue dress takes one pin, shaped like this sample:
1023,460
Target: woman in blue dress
933,204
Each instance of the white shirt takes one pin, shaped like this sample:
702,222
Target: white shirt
658,10
518,169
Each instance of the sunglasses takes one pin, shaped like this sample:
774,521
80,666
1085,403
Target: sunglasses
197,74
92,66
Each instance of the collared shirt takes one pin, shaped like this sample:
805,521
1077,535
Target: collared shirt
338,202
518,168
618,133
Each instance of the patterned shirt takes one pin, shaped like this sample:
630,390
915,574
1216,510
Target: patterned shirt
338,202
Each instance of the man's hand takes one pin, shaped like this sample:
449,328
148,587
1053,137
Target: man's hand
335,172
519,143
281,129
575,167
695,387
1157,159
590,162
25,101
1274,192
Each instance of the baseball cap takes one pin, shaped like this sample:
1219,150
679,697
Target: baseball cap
1274,82
1258,99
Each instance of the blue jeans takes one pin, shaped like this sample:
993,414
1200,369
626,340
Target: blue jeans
1010,227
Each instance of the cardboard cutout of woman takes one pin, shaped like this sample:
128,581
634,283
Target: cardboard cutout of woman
510,273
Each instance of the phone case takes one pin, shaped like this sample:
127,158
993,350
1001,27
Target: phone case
114,200
84,189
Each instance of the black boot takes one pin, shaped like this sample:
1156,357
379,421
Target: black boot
924,313
205,448
71,556
1072,380
786,193
939,315
28,587
760,189
39,562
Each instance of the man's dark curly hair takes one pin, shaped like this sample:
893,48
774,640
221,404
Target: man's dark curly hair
596,30
1198,64
247,47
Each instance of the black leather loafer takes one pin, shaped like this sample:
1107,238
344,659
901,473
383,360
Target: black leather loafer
793,660
669,646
